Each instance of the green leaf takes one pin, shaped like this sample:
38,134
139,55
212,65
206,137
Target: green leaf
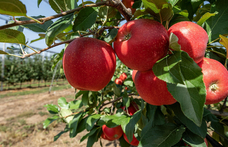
34,40
193,139
63,103
2,52
74,124
91,120
173,2
85,98
66,113
94,138
168,69
38,3
190,93
57,27
217,24
35,26
66,129
205,17
173,42
201,131
111,35
48,121
85,19
150,5
12,7
12,36
117,89
93,131
59,5
160,9
129,129
113,120
56,58
76,104
163,135
53,109
129,83
123,142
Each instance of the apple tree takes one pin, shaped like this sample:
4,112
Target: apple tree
150,73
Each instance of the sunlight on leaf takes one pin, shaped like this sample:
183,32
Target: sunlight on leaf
205,17
224,42
12,7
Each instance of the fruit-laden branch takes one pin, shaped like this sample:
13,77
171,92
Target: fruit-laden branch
68,41
113,3
115,100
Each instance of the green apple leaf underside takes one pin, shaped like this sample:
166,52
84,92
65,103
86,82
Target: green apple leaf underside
57,27
185,82
173,42
12,36
12,7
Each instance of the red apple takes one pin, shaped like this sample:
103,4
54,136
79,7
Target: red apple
132,108
89,63
105,137
152,90
133,75
134,141
192,38
140,43
118,81
215,77
112,133
129,4
123,76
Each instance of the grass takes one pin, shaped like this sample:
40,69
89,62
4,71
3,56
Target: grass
35,91
33,84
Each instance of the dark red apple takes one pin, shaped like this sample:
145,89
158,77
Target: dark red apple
89,63
132,108
152,90
133,75
192,38
129,4
140,43
134,141
215,77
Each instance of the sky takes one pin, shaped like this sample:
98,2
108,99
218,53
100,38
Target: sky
33,10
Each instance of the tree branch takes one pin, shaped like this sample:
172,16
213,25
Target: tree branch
68,41
113,3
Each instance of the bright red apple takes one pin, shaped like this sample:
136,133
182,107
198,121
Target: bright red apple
134,141
215,77
112,133
192,38
129,4
118,81
89,63
152,90
140,43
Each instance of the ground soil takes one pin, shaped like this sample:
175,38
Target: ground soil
21,120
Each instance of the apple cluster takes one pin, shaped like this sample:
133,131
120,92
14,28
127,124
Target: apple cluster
89,63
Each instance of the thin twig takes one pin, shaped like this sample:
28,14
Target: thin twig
113,3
